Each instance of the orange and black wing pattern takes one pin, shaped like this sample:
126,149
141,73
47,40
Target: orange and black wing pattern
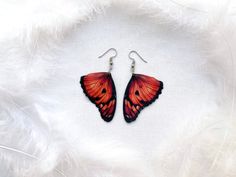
141,91
100,89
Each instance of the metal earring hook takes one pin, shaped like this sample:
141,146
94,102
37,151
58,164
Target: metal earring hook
109,51
133,51
133,60
111,58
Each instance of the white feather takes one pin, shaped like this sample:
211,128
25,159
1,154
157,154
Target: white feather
49,128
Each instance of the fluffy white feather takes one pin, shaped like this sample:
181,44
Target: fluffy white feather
45,46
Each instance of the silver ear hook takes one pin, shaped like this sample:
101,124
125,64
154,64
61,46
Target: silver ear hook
133,60
111,58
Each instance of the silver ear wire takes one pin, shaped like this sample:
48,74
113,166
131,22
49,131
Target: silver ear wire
111,58
133,60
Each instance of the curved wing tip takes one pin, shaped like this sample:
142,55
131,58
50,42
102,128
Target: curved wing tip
107,119
130,120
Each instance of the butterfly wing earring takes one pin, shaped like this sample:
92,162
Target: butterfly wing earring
140,92
99,87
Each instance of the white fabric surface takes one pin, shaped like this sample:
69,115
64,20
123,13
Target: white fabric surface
48,127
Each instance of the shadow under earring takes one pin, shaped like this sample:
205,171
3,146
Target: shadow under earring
99,87
140,92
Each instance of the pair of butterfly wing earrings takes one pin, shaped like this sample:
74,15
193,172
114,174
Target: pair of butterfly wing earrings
140,92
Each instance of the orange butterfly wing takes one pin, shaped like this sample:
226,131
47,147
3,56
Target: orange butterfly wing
100,89
141,91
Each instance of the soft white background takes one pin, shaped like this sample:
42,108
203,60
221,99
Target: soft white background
49,128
